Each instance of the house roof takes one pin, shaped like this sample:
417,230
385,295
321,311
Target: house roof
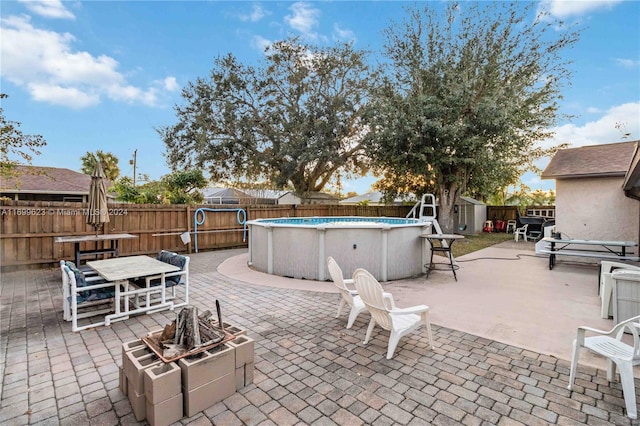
374,197
315,195
225,194
267,193
591,161
46,180
632,179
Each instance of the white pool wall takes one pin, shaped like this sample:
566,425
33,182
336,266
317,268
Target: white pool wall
388,251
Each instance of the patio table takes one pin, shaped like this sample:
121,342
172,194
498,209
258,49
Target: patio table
77,239
121,270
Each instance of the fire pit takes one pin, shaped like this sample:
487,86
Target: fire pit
188,335
193,363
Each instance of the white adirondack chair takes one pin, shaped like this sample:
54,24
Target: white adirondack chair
399,321
349,297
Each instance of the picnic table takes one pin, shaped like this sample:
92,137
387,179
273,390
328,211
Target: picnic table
603,249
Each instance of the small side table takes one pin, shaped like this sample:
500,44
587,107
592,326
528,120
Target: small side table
442,248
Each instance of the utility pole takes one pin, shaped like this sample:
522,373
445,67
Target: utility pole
133,162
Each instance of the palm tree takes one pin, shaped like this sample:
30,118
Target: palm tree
108,160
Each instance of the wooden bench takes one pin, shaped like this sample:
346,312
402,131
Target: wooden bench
614,250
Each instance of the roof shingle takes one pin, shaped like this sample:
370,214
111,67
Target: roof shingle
591,161
46,180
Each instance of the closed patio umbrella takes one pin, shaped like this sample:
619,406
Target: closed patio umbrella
98,213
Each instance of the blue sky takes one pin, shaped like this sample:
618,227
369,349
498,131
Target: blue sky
102,75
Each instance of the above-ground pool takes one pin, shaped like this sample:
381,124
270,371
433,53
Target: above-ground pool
389,248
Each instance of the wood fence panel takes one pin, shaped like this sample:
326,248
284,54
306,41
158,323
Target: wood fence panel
501,213
509,212
28,228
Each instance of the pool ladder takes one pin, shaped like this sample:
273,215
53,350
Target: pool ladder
425,210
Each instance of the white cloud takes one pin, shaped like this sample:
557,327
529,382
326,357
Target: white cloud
170,84
48,8
342,34
603,130
565,8
257,13
628,63
66,96
45,63
260,43
594,110
304,19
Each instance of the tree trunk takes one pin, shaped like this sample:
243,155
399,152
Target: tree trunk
447,197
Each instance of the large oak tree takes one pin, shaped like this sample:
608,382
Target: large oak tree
294,121
471,90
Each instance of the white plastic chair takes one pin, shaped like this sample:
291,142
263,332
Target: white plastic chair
90,277
619,354
349,297
606,285
521,231
172,280
399,321
102,295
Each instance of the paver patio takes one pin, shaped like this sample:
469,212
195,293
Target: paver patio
309,368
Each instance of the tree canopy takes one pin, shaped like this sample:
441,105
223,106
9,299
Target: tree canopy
295,121
16,148
470,91
181,187
108,160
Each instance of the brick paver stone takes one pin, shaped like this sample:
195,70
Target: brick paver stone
309,369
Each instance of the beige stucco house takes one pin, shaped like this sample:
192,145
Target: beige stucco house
595,187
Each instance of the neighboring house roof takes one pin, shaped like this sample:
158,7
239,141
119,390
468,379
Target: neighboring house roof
320,196
46,180
608,160
374,197
273,194
224,195
371,197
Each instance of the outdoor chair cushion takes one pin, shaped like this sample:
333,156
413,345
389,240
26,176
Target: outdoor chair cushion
170,280
81,281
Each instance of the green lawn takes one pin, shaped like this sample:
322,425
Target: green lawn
472,243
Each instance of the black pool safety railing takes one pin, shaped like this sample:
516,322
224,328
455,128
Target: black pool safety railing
199,218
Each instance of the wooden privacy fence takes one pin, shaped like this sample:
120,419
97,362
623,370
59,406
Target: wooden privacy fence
28,228
509,212
501,212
